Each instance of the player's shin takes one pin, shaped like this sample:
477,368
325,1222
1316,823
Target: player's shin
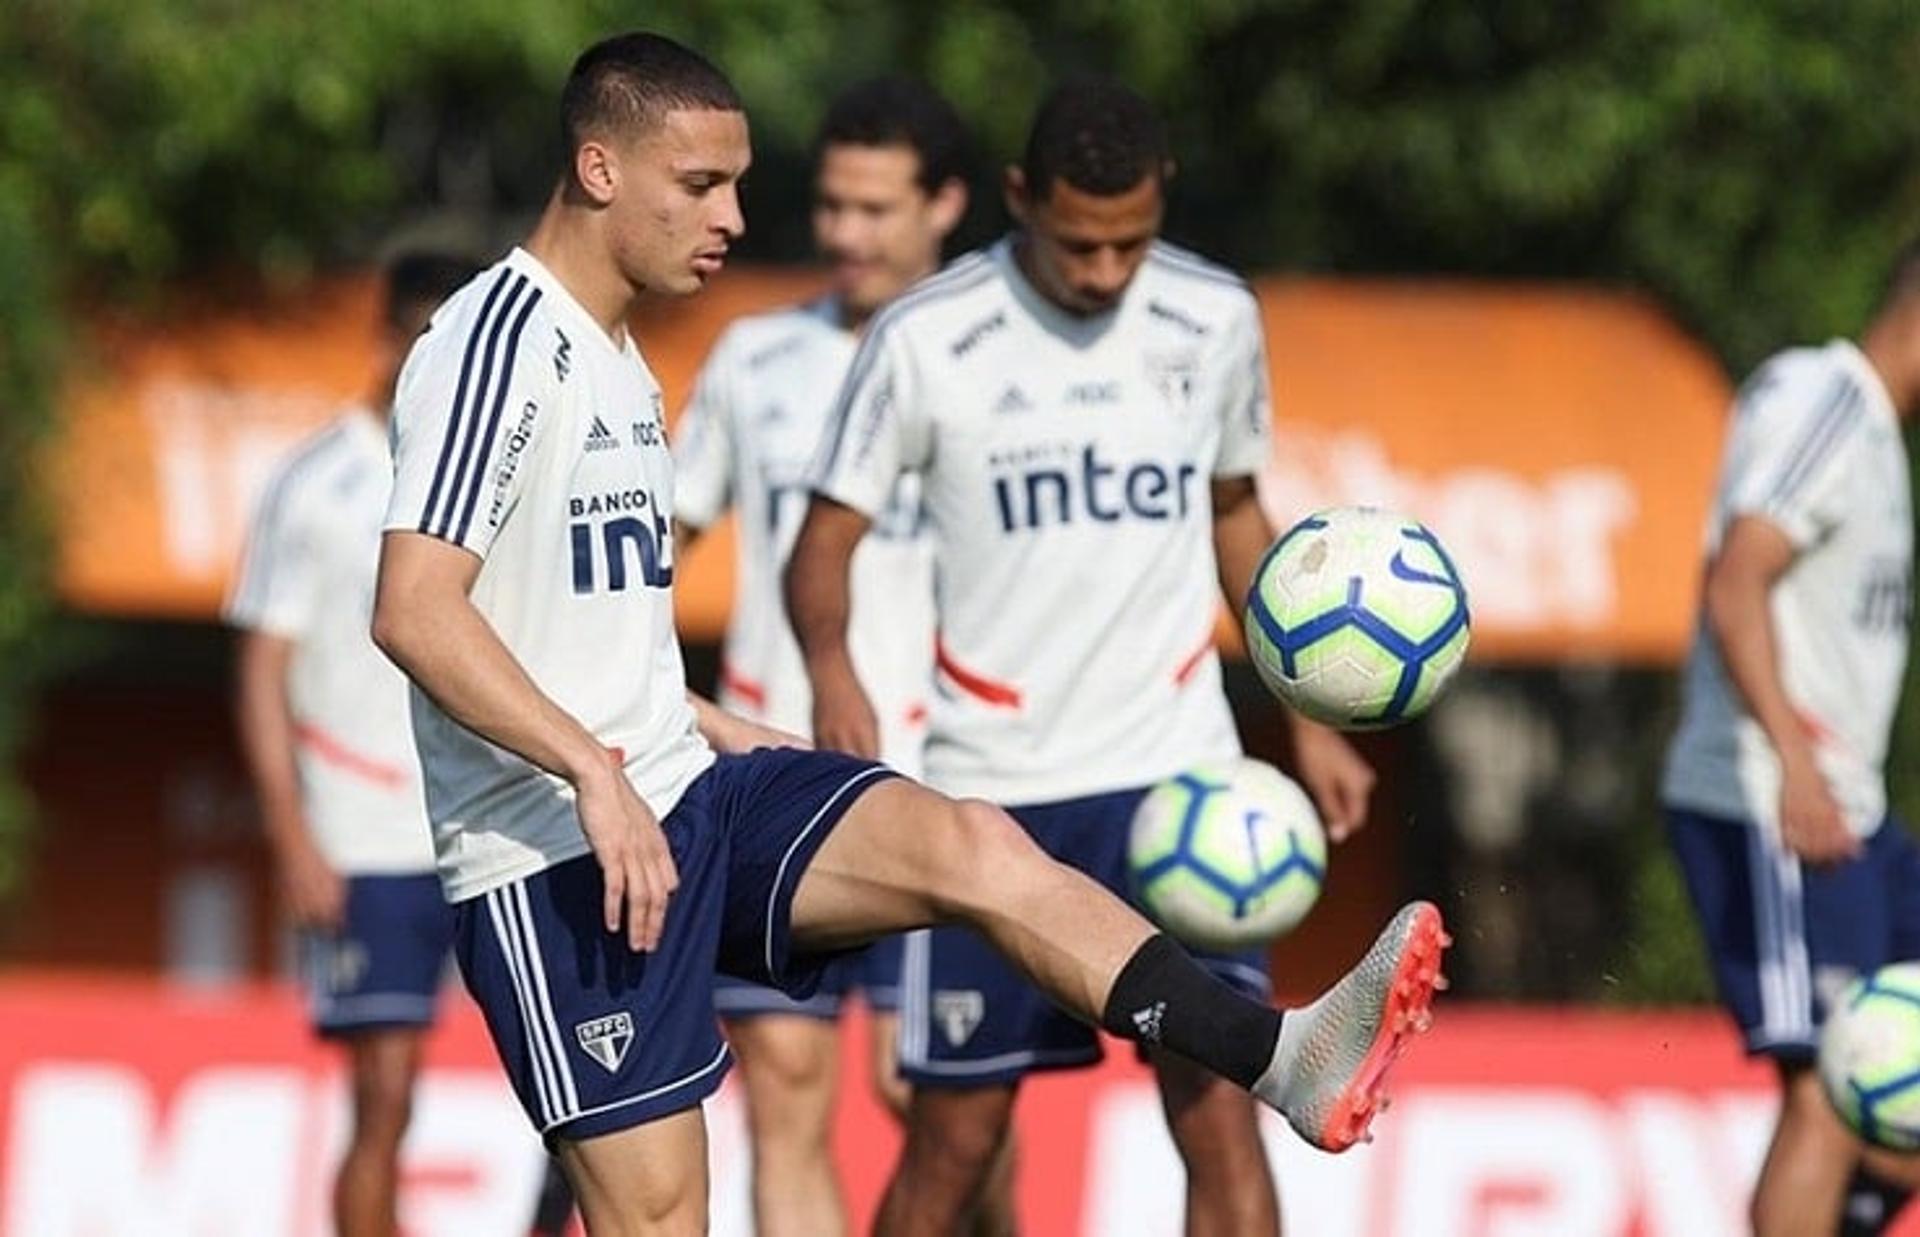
1162,997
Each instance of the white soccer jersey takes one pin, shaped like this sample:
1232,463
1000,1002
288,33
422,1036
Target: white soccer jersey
749,438
1815,448
308,577
526,436
1065,466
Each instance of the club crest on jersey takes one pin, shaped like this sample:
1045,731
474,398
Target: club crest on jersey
600,438
606,1039
1173,374
958,1013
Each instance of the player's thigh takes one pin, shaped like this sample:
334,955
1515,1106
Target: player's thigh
904,856
646,1179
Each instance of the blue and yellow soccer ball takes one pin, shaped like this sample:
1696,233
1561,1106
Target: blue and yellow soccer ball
1357,618
1228,855
1870,1056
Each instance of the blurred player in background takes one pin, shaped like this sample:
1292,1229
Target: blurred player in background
323,722
1775,785
889,186
1086,408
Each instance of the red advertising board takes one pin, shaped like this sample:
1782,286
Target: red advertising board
135,1109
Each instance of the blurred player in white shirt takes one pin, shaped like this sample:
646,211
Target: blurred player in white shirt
1775,786
888,189
323,721
1086,409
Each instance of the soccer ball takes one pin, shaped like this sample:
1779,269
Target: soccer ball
1357,618
1870,1056
1227,855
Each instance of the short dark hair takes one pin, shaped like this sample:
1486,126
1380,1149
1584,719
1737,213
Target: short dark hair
1098,136
419,278
629,81
899,111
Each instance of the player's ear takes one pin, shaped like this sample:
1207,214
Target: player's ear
1013,187
596,171
949,205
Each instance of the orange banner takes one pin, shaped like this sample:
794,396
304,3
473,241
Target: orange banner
1562,442
130,1108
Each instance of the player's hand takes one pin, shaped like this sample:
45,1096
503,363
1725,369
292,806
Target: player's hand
1337,776
843,717
316,895
631,849
1811,823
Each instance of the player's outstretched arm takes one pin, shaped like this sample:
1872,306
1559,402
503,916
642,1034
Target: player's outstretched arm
819,597
1337,776
316,894
424,620
729,732
1753,555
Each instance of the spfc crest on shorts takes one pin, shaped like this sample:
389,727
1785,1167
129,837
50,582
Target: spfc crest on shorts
606,1039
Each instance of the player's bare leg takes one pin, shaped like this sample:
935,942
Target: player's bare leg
1803,1181
904,856
1216,1129
790,1065
644,1181
384,1064
883,1060
955,1136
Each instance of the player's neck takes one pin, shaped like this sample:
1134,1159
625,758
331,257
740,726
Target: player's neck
567,242
1886,349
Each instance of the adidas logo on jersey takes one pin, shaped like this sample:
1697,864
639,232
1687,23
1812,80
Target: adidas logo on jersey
1013,399
958,1012
606,1039
600,438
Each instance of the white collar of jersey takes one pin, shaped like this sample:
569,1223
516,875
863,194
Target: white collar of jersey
564,303
1055,319
1872,385
367,425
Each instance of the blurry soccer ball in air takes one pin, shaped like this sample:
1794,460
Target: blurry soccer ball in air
1227,855
1870,1056
1357,618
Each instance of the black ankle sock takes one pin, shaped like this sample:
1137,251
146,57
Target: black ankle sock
1163,998
1872,1204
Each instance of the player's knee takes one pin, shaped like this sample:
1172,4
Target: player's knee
959,1139
383,1104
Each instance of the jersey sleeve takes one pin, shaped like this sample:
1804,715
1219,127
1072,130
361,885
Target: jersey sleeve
1246,403
469,421
703,447
1795,434
276,589
880,427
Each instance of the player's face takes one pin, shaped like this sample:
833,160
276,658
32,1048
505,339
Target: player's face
1083,249
676,209
878,229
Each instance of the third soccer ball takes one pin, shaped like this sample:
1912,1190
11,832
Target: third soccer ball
1870,1056
1357,618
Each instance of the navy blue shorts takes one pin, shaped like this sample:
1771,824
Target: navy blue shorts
1783,938
969,1019
595,1037
383,968
873,973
